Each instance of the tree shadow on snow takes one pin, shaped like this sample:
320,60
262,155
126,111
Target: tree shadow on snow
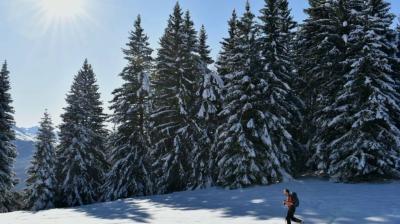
321,202
120,209
231,203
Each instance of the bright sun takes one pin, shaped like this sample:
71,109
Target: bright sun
62,10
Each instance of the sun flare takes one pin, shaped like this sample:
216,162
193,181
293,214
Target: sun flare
62,10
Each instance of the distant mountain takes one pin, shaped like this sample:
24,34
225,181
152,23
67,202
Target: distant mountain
25,143
26,134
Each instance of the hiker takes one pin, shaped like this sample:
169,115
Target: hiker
291,202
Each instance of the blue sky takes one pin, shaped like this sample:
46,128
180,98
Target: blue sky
44,52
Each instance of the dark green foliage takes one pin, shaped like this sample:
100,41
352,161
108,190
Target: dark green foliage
281,103
7,148
208,105
81,152
130,174
41,182
366,144
175,130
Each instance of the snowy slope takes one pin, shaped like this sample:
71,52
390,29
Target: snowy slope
320,202
26,134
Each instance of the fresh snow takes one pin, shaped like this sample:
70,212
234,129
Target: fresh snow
320,202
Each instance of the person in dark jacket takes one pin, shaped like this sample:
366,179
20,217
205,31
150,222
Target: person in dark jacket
290,203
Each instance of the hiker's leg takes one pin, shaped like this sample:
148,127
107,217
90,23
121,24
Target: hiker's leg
288,220
289,215
294,219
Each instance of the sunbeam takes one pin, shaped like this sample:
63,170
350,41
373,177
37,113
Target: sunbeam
62,10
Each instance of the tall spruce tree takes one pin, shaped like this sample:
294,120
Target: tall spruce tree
190,64
210,87
8,151
280,104
130,173
81,153
203,48
288,33
41,182
322,42
228,57
242,138
332,81
288,26
175,130
226,64
208,105
366,144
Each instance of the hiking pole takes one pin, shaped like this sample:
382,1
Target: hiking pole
284,213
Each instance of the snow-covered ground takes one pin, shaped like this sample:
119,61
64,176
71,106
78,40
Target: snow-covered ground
320,202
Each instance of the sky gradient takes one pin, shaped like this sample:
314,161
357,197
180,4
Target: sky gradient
43,56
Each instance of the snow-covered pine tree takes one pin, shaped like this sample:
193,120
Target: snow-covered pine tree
247,41
7,148
41,182
81,152
331,81
190,64
210,87
226,63
288,40
242,138
366,145
203,48
280,104
208,104
196,136
130,172
228,57
308,38
288,26
322,47
175,132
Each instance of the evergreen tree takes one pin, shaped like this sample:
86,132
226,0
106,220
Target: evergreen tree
287,26
175,130
41,182
366,144
332,82
209,97
280,104
288,35
322,41
190,64
242,138
130,173
228,57
209,89
81,153
203,48
7,148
